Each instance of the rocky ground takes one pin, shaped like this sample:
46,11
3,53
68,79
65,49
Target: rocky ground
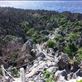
50,59
47,44
46,59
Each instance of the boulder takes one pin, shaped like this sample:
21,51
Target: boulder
26,55
40,80
14,52
77,73
40,56
52,69
60,76
80,65
74,67
63,61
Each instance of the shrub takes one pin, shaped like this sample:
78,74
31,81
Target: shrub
63,21
79,81
30,32
25,25
51,43
35,36
70,49
59,38
79,55
48,76
73,36
14,72
41,39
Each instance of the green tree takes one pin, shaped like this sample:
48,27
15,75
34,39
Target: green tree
51,43
48,76
79,55
25,25
73,36
70,49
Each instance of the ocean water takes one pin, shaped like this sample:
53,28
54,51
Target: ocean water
72,6
65,5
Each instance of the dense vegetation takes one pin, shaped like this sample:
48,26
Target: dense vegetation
79,81
48,76
38,24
